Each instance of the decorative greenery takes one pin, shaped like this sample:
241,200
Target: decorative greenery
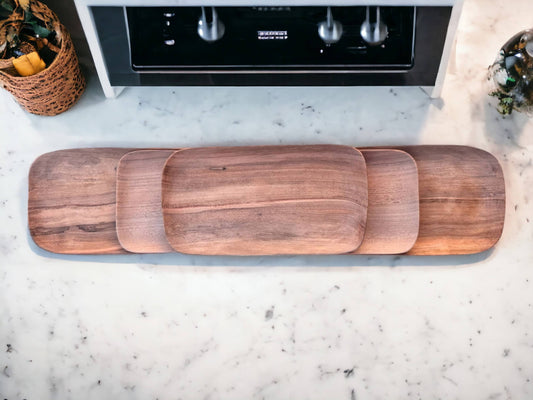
19,26
505,106
511,74
34,25
6,8
30,20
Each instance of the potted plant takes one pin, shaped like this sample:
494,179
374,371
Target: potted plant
38,64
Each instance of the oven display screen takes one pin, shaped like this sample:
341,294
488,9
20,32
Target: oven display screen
272,35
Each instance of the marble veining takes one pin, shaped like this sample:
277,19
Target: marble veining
341,327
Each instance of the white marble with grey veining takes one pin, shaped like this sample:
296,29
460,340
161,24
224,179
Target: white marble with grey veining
184,327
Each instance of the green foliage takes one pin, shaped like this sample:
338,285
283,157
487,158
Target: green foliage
35,27
6,8
505,106
7,5
39,30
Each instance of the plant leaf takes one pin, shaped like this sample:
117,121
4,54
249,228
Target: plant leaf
28,16
6,4
11,35
39,30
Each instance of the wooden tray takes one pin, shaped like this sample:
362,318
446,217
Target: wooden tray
462,199
265,200
71,201
392,218
140,227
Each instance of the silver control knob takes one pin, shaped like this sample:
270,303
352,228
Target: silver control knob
213,30
330,30
374,32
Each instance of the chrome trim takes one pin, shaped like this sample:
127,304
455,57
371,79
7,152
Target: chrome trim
128,33
414,38
155,71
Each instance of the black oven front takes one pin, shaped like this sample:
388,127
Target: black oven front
281,45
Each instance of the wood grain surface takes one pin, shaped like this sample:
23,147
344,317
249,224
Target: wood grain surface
71,201
392,218
265,200
462,199
140,227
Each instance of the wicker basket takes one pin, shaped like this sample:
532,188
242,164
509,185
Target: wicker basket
56,88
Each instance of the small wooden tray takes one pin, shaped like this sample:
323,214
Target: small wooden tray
462,199
71,201
392,218
265,200
140,227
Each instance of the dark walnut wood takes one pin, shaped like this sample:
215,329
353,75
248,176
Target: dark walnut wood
462,199
392,218
265,200
71,201
140,227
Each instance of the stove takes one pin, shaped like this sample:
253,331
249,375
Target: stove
171,43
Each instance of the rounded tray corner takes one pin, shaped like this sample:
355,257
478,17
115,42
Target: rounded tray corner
136,208
392,224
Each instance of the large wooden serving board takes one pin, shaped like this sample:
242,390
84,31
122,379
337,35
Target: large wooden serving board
265,200
462,199
71,201
392,218
140,226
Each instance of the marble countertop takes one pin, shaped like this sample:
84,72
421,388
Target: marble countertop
338,327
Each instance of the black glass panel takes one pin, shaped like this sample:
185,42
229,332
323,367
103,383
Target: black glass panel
266,38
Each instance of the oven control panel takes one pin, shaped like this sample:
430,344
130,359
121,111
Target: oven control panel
348,43
271,38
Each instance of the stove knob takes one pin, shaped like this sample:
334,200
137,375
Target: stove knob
374,32
330,30
213,30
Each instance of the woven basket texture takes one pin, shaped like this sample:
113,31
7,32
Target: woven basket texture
56,88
